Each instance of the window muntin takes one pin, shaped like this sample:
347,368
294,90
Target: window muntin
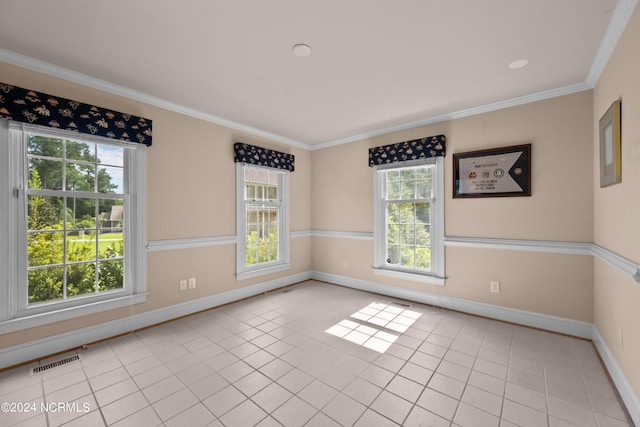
262,223
74,218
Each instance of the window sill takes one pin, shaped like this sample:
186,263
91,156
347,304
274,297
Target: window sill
59,315
261,271
416,277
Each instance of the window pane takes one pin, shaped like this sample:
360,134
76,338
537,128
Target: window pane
273,193
45,174
111,180
393,190
44,146
423,235
110,155
423,173
423,189
408,189
273,251
407,234
80,177
423,257
252,216
76,150
263,252
81,248
252,234
45,213
110,275
110,244
393,231
422,213
45,248
408,174
406,213
81,213
111,214
250,192
81,279
45,284
393,254
393,213
406,256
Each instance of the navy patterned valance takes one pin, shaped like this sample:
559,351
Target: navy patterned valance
245,153
28,106
431,146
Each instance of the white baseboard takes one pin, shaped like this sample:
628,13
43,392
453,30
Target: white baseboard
522,317
537,320
628,395
14,355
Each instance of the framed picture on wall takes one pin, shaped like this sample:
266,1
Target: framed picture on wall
496,172
611,146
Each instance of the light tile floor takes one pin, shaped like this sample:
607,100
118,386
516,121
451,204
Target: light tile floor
269,361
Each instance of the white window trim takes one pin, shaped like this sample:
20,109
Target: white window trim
12,205
242,271
437,274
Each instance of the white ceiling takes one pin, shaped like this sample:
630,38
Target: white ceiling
376,65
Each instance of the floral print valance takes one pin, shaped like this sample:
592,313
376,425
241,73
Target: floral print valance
431,146
29,106
245,153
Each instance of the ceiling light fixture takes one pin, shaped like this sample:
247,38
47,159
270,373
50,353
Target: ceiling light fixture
301,50
518,63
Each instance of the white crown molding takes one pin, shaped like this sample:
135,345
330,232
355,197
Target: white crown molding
95,83
619,20
499,105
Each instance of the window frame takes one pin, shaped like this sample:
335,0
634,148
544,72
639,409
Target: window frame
436,275
283,263
16,314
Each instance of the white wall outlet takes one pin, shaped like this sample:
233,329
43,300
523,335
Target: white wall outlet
345,264
495,287
192,282
183,284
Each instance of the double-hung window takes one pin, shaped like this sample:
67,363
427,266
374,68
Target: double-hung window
408,220
73,224
262,214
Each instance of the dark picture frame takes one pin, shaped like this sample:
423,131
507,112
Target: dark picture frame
611,145
495,172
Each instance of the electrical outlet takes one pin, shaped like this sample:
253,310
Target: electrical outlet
192,282
183,284
495,287
345,264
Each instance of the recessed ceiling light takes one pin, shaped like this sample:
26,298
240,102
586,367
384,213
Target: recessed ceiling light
518,63
301,50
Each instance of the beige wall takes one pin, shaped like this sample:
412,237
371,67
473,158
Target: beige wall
560,209
190,194
617,208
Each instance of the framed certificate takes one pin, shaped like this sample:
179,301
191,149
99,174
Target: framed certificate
611,146
497,172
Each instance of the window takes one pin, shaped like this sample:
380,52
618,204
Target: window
74,227
262,230
408,220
